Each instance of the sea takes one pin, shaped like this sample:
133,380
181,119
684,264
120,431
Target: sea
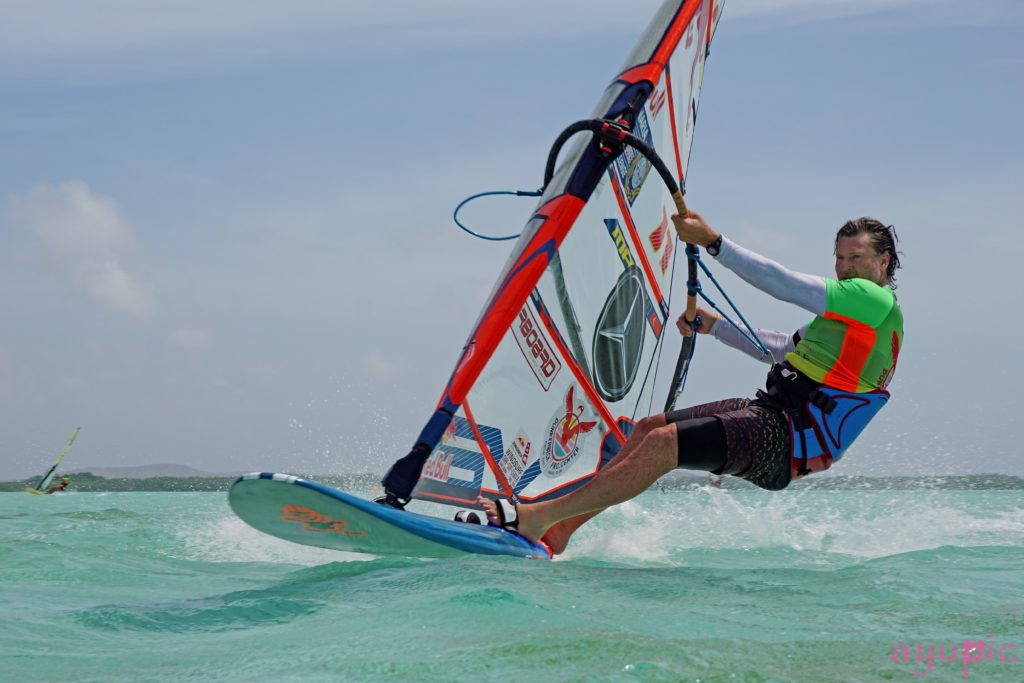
918,580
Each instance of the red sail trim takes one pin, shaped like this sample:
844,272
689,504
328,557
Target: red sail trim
615,433
675,132
465,502
581,378
429,495
577,480
655,322
651,70
583,477
641,252
711,21
503,308
491,462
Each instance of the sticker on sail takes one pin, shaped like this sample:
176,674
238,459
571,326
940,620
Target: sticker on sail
438,466
566,434
535,347
663,236
517,456
631,166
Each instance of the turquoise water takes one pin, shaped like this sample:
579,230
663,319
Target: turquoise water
688,585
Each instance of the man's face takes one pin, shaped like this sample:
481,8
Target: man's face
856,257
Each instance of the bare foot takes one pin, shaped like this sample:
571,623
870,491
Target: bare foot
530,532
557,538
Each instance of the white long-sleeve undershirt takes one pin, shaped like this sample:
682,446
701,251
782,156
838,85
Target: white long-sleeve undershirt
777,343
806,291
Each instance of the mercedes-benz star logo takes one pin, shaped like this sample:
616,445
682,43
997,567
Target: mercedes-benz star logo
619,337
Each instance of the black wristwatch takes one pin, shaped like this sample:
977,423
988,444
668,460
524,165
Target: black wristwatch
714,247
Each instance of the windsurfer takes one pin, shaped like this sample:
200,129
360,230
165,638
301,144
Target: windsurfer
828,377
60,485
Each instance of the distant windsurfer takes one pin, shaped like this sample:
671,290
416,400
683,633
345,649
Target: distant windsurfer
826,383
60,485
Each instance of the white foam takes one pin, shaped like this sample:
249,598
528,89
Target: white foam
663,527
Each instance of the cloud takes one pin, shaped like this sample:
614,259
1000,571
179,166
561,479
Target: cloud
67,39
111,41
191,337
820,8
773,13
88,237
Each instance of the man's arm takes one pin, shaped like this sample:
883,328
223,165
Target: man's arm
778,344
806,291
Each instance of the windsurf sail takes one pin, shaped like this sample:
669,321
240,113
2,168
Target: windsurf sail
47,479
562,360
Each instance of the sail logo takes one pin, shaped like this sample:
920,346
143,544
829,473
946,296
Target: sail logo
631,166
567,432
535,347
517,456
458,459
657,101
619,336
662,236
615,230
317,522
887,373
449,432
438,466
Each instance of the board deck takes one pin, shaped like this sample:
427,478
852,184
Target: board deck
310,513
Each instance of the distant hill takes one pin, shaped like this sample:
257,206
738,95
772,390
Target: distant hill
154,478
149,471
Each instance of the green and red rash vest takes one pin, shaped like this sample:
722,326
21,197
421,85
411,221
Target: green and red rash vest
850,349
854,346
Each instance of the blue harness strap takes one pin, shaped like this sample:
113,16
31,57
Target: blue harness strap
832,420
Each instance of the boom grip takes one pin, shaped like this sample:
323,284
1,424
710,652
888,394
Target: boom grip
677,197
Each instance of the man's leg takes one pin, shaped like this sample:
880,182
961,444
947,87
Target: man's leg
557,537
625,478
704,448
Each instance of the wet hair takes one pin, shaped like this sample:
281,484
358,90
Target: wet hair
883,239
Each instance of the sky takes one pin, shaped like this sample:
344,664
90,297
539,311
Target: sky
226,236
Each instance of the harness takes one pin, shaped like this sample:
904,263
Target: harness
823,421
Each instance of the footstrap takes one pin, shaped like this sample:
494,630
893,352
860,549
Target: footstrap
509,514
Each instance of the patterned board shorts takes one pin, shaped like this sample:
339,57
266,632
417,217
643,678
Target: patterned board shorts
757,440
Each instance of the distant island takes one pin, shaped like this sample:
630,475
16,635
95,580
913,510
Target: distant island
184,478
150,471
173,478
